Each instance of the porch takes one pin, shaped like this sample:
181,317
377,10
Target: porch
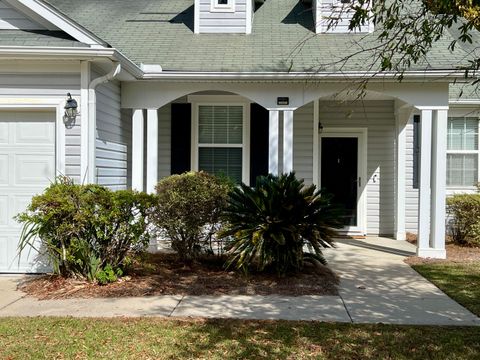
278,134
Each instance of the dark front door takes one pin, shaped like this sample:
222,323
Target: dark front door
339,169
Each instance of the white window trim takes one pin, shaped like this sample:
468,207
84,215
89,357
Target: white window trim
245,146
225,8
452,189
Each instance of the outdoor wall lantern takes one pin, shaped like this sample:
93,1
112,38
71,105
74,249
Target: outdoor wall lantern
320,127
71,112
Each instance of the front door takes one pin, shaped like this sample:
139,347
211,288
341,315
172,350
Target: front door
341,172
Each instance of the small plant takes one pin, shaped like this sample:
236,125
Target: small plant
85,228
188,211
108,275
270,224
464,225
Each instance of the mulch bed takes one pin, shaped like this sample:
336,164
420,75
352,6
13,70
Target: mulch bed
455,254
163,274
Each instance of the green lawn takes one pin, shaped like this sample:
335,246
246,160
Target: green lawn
461,281
60,338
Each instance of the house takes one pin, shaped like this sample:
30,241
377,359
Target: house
234,87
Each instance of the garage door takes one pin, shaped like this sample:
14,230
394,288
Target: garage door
27,165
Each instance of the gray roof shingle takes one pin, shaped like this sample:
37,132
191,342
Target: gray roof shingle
37,38
161,32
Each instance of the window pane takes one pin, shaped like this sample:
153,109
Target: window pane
205,124
235,121
462,133
462,169
221,161
220,124
471,134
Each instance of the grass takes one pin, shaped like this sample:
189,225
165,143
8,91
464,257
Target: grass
69,338
460,281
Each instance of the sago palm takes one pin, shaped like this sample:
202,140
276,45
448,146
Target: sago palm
271,224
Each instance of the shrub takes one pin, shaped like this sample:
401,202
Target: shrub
83,229
464,211
270,224
108,275
188,210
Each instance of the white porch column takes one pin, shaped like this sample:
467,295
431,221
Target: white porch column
316,139
152,150
84,126
273,142
439,180
137,149
424,184
401,119
287,141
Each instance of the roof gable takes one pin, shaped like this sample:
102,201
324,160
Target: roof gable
45,17
13,19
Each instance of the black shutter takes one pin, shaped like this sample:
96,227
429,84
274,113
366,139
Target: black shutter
181,137
258,142
416,151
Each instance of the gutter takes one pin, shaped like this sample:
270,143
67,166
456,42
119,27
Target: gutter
346,76
92,117
45,52
155,72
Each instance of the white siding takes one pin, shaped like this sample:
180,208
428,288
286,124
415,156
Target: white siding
378,118
48,85
303,142
114,134
222,22
164,143
324,10
12,19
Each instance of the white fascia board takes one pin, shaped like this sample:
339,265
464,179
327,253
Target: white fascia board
40,52
56,18
465,102
71,53
439,75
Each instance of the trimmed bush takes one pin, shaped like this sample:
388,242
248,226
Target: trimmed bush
464,211
270,224
86,229
188,211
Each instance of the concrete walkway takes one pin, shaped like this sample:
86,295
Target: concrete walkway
376,287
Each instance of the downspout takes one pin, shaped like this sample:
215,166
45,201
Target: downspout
92,118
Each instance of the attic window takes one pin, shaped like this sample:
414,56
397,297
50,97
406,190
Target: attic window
223,6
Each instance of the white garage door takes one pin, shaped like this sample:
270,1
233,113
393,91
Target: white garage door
27,166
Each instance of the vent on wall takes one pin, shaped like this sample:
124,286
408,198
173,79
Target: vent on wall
223,16
337,13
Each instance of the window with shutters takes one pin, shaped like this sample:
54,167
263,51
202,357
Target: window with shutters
463,152
221,140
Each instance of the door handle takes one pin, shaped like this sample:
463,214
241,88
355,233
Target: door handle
359,182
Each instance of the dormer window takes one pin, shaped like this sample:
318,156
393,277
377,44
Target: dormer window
223,6
223,16
341,12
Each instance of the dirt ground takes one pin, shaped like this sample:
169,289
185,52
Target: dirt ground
455,254
163,274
